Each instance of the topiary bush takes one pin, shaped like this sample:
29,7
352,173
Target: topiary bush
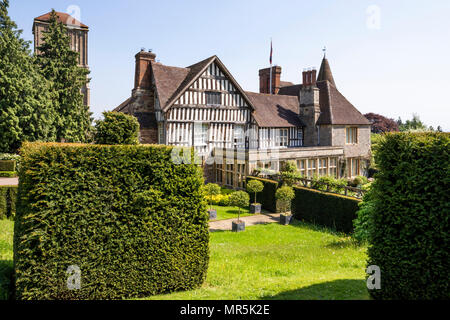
255,186
134,222
285,195
239,199
410,236
267,196
117,128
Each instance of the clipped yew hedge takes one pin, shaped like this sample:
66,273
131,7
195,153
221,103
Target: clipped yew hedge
410,233
267,196
326,209
8,196
134,222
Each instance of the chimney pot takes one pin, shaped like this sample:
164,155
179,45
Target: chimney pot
142,76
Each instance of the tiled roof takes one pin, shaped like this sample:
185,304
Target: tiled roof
325,72
275,110
334,107
62,17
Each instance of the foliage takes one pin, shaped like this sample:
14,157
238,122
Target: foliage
9,156
59,64
8,174
360,181
289,166
239,199
363,221
26,112
134,222
285,195
325,209
8,195
255,186
7,165
410,236
267,196
212,190
381,124
227,212
415,124
117,128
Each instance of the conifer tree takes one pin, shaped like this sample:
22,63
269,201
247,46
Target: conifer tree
26,112
59,64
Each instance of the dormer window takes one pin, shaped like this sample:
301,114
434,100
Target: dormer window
213,98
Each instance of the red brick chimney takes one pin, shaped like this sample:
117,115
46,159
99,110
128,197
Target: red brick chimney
264,80
309,77
142,75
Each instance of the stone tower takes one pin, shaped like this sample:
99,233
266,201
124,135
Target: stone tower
78,33
310,107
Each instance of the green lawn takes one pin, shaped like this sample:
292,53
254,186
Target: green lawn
264,262
224,213
6,256
282,262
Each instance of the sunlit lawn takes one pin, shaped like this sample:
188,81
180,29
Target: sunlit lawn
281,262
6,256
224,213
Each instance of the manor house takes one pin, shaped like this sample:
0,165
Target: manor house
203,106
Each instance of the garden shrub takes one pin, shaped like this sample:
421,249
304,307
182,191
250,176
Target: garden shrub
284,195
134,222
117,128
7,165
267,196
325,209
410,236
254,187
363,222
8,174
8,197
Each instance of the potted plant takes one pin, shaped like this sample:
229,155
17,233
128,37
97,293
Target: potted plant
284,195
255,186
239,199
212,190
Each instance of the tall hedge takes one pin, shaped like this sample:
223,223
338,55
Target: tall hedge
325,209
134,222
8,195
267,196
410,233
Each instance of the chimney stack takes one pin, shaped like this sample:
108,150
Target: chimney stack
264,80
309,77
142,76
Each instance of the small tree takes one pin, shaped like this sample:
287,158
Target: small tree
211,190
255,186
239,199
285,196
117,128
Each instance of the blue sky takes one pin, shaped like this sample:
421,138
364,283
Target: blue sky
387,57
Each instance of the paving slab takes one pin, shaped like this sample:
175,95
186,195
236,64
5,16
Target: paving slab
9,181
225,225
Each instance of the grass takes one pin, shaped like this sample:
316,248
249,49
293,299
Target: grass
6,256
224,213
269,261
281,262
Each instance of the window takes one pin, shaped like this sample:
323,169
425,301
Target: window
283,137
323,167
219,172
300,136
354,170
161,133
239,136
351,135
333,167
213,98
301,166
311,168
200,134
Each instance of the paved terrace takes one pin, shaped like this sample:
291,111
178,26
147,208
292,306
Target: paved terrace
225,225
9,181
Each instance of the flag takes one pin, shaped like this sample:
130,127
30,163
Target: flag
271,52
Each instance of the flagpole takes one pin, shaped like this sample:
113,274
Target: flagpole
270,88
